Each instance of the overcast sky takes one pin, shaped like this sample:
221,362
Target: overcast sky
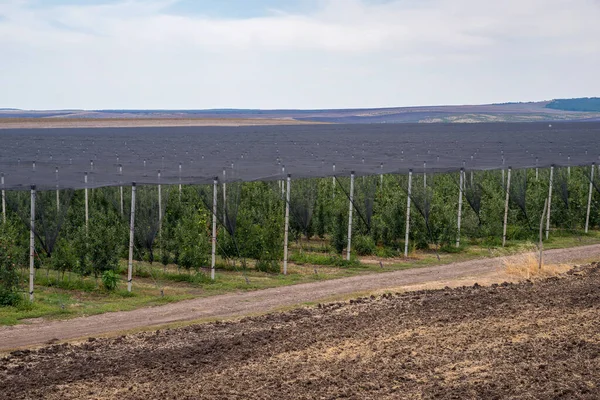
193,54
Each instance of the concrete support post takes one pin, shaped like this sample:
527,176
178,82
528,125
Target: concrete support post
460,203
589,204
214,230
408,213
350,207
286,226
131,238
32,244
506,204
549,201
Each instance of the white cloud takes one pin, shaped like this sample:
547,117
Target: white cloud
347,53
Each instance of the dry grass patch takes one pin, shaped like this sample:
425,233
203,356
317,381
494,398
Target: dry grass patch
528,266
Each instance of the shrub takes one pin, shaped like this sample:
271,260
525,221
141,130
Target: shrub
364,245
9,278
110,280
271,266
386,252
198,278
339,233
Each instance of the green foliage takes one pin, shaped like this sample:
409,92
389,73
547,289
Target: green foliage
386,252
192,238
339,233
64,257
333,260
197,278
9,263
363,245
110,280
103,243
270,266
184,238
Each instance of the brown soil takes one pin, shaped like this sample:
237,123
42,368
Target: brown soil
20,123
528,340
485,271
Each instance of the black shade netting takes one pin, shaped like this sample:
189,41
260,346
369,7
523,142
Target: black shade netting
149,212
303,199
118,198
561,185
51,209
364,198
256,151
228,197
518,192
421,196
596,180
473,193
227,209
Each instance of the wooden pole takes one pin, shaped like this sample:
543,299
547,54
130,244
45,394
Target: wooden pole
549,202
32,244
286,226
408,213
589,204
541,245
214,230
460,203
350,216
506,207
131,232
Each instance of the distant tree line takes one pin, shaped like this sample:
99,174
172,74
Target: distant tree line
590,104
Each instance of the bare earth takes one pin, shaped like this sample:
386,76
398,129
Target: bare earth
484,271
27,123
531,340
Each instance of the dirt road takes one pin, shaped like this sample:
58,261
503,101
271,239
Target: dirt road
510,341
248,303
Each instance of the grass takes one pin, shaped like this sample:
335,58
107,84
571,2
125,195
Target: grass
528,266
305,258
63,297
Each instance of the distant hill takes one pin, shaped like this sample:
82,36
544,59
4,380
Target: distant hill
582,109
584,104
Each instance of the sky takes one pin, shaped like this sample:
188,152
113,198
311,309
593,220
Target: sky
294,54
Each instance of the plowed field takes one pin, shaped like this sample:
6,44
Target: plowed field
529,340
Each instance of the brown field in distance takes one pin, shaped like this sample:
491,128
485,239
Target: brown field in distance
25,123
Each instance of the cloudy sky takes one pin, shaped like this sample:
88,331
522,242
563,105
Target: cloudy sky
192,54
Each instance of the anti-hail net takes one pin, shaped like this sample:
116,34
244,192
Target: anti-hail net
117,156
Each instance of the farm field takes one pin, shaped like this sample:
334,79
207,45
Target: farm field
58,122
81,246
242,303
66,298
531,340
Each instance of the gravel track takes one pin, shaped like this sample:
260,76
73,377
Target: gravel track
510,341
263,301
